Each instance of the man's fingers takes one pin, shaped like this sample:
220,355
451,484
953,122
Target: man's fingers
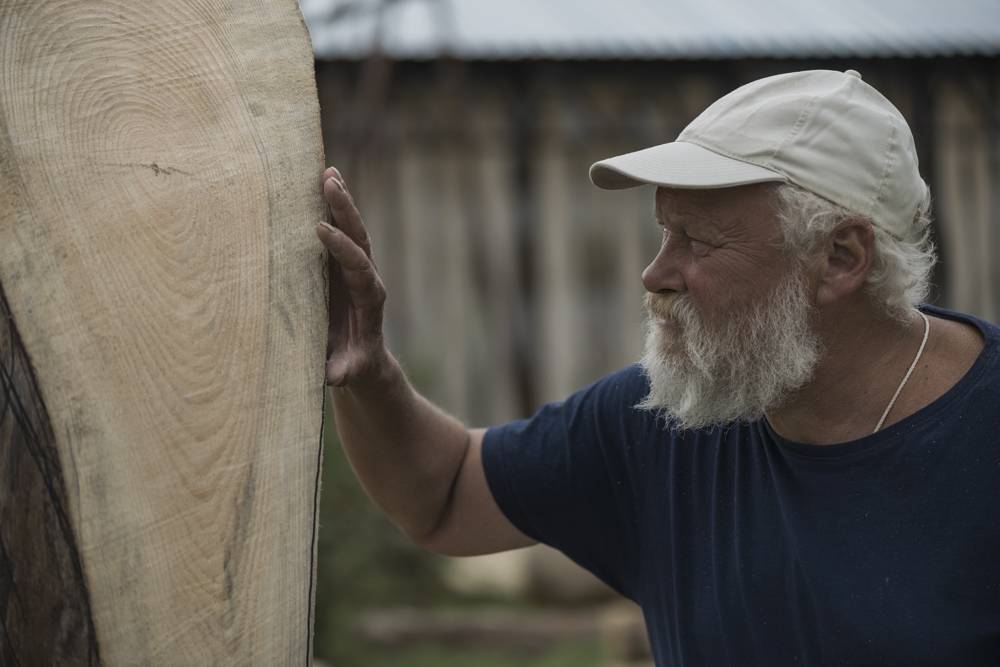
344,249
345,213
328,172
360,277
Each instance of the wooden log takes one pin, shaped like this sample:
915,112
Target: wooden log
162,331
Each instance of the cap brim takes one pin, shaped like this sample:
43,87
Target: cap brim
677,165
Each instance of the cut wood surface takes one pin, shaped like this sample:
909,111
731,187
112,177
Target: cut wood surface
163,332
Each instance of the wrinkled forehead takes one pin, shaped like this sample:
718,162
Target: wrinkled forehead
745,209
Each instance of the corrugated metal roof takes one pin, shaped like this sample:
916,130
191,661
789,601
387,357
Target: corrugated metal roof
678,29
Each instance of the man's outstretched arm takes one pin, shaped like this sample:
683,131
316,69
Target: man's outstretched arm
420,466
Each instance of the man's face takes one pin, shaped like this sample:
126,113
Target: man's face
728,310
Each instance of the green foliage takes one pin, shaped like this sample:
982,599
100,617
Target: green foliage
363,560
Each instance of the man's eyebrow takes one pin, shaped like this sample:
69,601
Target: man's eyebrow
700,225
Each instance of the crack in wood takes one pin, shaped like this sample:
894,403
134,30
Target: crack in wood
153,166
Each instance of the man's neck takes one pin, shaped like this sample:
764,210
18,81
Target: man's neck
866,357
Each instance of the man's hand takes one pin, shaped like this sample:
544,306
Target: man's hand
355,347
419,465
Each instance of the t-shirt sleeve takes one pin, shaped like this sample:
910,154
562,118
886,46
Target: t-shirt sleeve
565,476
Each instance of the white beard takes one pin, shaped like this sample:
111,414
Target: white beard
704,377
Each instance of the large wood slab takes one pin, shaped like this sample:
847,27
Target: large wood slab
162,332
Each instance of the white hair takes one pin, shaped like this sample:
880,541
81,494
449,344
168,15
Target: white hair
713,374
899,278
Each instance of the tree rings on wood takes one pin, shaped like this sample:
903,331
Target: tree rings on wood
163,332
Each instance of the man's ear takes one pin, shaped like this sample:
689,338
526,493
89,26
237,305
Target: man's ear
847,259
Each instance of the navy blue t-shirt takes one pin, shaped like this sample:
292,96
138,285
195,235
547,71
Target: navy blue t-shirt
743,548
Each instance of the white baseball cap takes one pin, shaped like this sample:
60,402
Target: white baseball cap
828,132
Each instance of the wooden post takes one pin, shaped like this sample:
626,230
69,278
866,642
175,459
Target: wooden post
162,332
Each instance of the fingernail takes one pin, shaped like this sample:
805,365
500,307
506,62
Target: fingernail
337,183
330,228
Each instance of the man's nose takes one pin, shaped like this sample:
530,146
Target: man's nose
663,273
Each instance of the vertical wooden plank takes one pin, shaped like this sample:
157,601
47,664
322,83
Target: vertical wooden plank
556,262
494,192
633,211
963,199
421,296
452,279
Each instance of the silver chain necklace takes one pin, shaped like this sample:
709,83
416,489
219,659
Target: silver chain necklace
927,330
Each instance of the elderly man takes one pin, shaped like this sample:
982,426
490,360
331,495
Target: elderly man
805,466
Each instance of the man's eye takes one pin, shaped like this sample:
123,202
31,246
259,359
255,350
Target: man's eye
699,248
